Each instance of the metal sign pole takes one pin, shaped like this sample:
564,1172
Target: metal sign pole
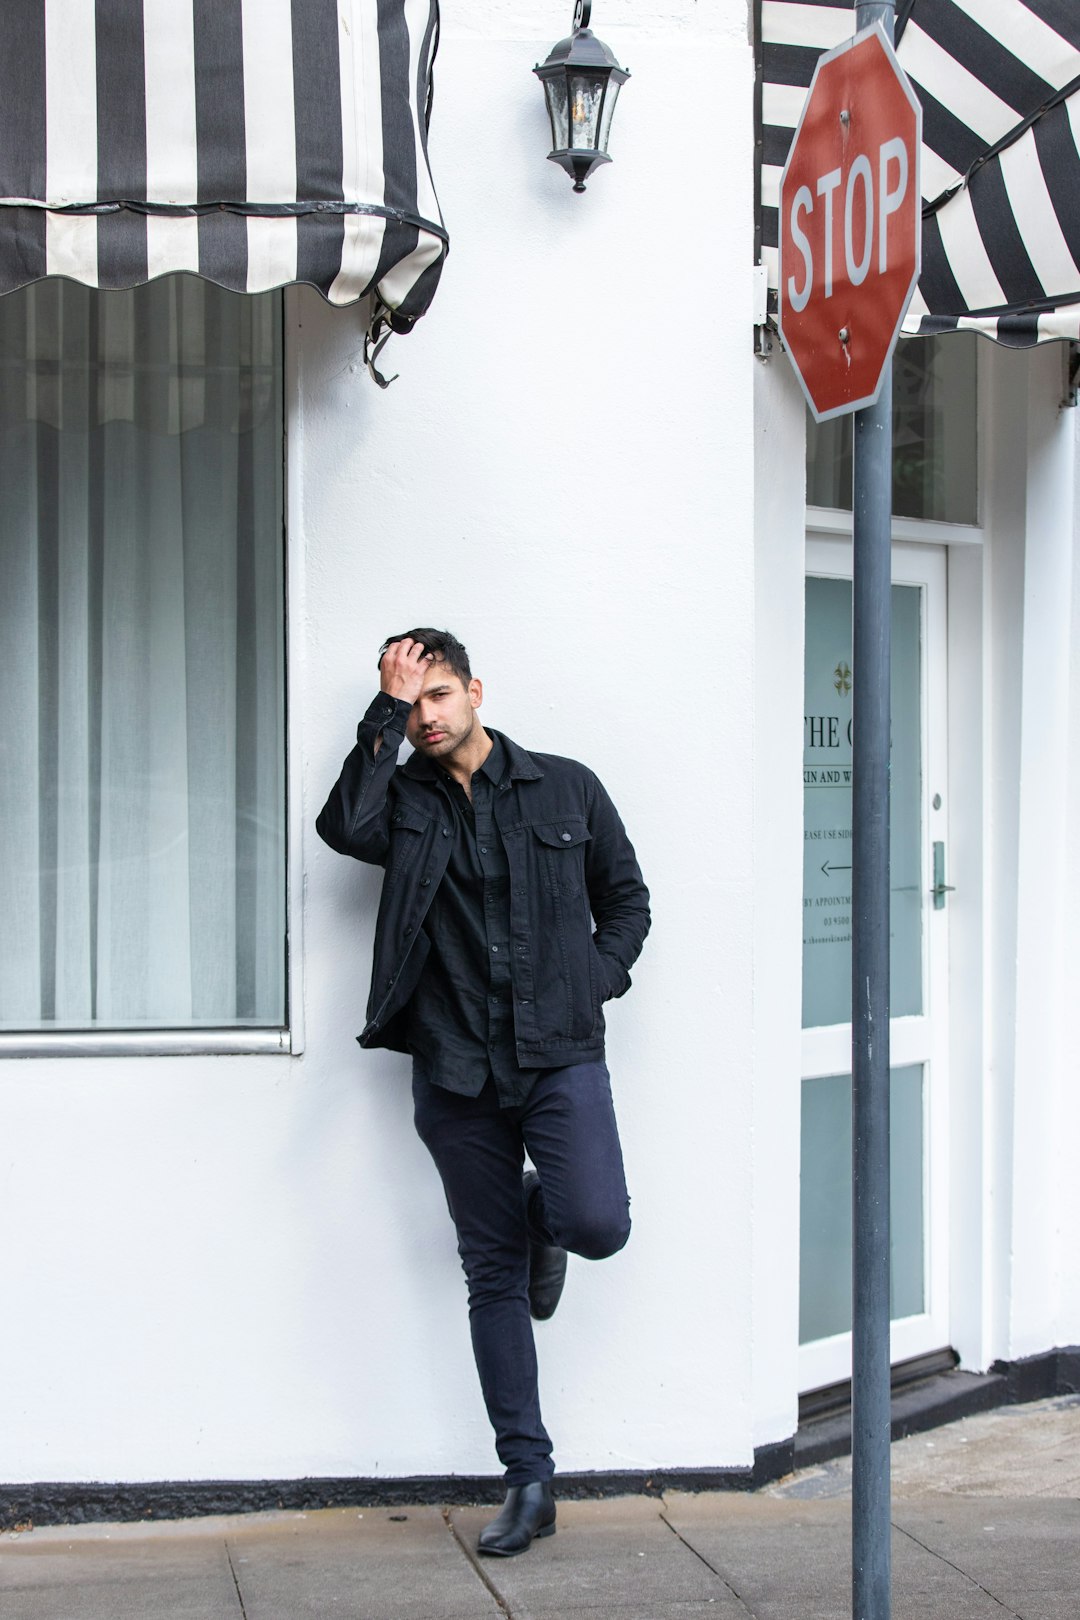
870,1392
871,1548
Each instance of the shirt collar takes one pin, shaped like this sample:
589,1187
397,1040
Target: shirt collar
494,766
506,761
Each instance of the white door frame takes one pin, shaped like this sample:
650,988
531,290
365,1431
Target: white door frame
924,1039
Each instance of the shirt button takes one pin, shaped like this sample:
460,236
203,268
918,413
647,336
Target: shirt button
408,930
495,950
483,849
446,832
566,838
424,882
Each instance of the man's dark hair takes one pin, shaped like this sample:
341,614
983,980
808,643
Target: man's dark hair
443,647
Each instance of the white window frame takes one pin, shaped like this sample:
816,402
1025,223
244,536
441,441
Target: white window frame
285,1039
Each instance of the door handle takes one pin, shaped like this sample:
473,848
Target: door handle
941,888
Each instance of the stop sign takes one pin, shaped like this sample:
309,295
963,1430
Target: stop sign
850,223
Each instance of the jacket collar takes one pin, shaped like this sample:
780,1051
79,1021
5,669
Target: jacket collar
521,766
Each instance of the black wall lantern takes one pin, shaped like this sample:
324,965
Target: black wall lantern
581,80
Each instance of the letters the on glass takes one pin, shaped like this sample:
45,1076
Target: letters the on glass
829,684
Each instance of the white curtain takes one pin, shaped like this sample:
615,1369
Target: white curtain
142,800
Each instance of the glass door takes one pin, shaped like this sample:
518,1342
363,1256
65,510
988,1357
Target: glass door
919,967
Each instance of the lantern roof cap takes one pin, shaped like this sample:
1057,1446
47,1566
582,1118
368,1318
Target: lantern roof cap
582,49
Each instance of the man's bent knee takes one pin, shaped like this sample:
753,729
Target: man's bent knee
596,1239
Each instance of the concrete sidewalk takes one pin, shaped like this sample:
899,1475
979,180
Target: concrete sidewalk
986,1517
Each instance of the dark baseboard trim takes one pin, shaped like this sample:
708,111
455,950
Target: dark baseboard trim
63,1503
1035,1378
930,1402
915,1408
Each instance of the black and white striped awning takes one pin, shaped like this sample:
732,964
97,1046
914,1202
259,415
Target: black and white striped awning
999,82
253,142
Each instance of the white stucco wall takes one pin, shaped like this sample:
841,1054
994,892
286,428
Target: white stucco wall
243,1267
1014,935
1032,919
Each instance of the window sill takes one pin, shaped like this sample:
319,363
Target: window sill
144,1042
827,520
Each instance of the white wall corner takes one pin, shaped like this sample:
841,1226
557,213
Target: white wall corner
1069,1125
968,1173
779,550
1042,1035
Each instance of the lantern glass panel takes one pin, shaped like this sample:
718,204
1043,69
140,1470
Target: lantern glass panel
555,90
586,94
606,114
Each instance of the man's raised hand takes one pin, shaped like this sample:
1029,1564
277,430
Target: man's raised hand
402,668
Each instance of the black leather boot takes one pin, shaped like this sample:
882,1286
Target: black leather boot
528,1514
547,1263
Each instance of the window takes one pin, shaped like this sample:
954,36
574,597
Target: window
142,685
934,436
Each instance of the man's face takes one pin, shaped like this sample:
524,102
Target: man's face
444,715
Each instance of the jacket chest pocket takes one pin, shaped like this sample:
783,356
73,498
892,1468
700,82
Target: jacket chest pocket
560,847
409,833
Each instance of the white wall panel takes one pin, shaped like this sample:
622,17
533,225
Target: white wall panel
242,1267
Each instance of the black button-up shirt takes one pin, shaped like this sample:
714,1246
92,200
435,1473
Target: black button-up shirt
461,1014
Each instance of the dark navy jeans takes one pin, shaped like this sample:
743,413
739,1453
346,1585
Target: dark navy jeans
567,1127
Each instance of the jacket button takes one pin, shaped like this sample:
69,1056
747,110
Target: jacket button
566,838
446,832
397,818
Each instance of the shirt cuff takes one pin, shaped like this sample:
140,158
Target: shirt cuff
388,713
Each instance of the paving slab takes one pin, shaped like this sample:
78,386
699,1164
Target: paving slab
617,1559
788,1558
378,1564
115,1575
1026,1552
1016,1451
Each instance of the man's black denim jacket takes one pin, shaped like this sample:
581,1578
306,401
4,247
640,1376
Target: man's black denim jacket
571,866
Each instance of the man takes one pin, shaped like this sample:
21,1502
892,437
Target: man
489,971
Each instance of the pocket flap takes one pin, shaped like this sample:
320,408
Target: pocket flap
562,834
408,818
